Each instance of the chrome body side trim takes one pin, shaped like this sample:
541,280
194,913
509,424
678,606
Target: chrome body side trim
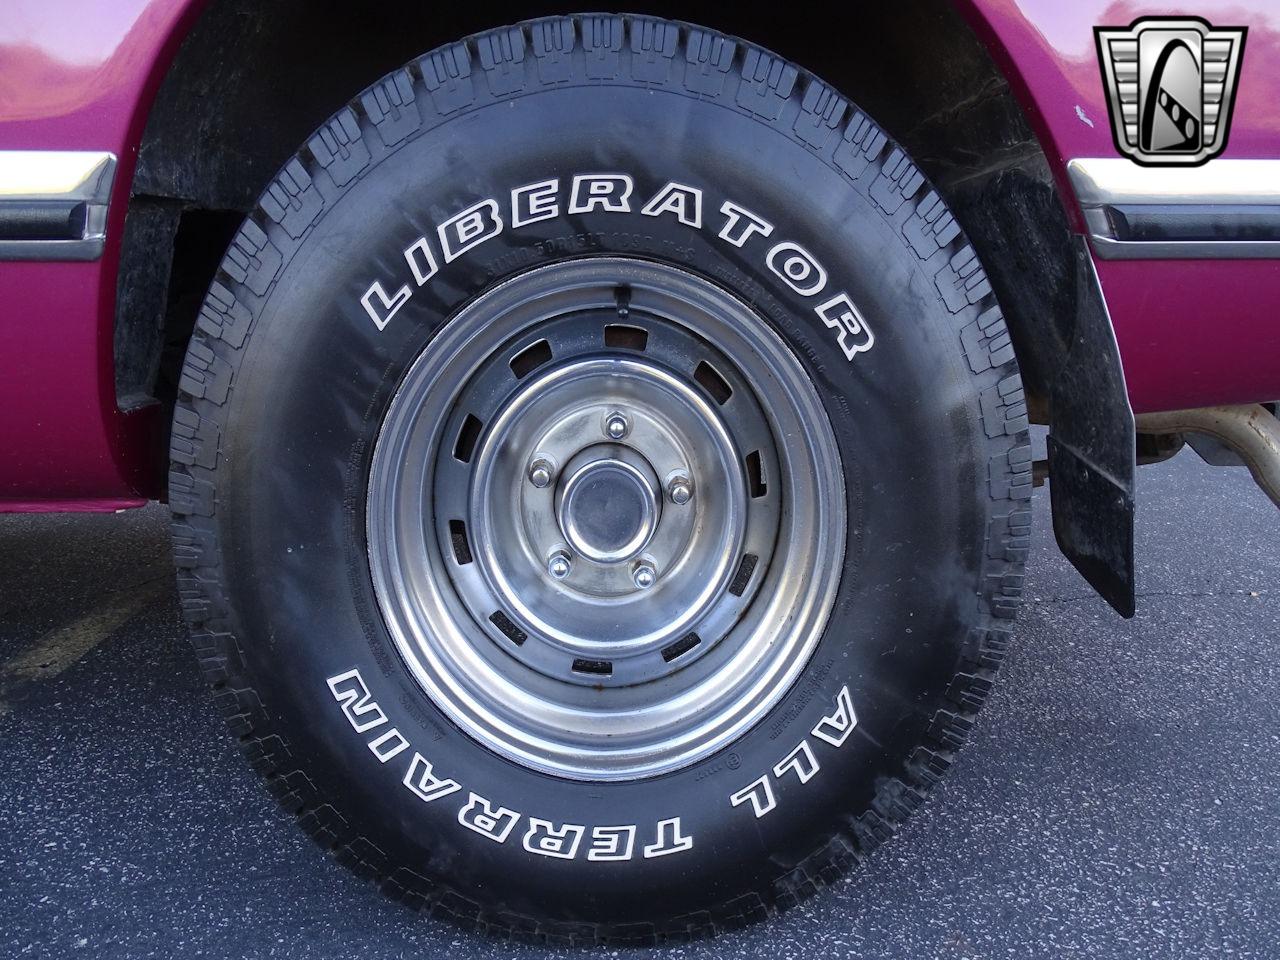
1216,208
38,187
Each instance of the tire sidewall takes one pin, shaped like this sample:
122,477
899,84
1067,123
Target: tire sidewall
303,421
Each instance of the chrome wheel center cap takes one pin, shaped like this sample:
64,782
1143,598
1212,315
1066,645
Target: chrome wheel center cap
608,503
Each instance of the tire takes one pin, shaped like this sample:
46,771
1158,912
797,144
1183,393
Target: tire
352,268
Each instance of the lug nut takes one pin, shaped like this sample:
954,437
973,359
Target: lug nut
644,575
540,472
680,490
559,565
616,426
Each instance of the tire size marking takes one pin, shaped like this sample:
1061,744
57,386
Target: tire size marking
800,762
488,818
612,193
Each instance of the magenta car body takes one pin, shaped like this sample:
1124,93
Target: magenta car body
80,76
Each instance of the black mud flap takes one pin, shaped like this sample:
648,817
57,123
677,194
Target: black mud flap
1091,443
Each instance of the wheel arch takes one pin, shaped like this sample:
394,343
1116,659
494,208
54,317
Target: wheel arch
206,153
923,73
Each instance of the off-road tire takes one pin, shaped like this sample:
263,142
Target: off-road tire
286,380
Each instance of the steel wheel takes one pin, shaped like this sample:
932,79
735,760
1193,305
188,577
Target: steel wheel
606,518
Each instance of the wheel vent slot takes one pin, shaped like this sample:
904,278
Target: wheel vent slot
755,475
745,569
619,336
509,629
600,668
465,445
710,380
530,359
461,545
680,647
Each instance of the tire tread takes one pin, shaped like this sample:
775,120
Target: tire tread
514,61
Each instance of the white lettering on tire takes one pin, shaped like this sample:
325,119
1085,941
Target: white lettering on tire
468,229
422,782
612,843
750,224
534,202
798,269
358,705
852,332
531,203
490,819
685,202
835,729
548,840
608,191
801,760
422,262
389,745
759,793
387,306
484,818
670,840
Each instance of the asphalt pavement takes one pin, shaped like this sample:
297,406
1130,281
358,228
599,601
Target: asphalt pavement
1119,799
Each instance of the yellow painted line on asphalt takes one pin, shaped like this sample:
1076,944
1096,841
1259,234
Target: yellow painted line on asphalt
65,646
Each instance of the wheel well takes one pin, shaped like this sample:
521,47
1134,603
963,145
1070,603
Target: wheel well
253,80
